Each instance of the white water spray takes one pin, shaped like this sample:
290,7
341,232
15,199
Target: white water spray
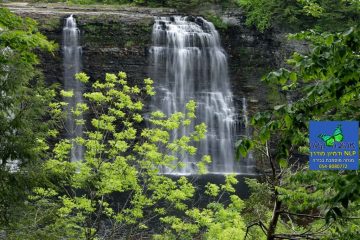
190,64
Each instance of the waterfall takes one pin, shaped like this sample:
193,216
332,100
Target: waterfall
190,64
72,65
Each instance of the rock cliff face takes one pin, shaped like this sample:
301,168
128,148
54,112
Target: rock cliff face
118,39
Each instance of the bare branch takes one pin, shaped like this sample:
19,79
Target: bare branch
260,224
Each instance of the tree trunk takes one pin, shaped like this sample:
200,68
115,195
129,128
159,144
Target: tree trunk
274,219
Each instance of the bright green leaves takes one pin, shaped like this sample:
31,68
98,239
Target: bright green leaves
212,189
117,177
206,160
76,209
148,86
123,76
105,122
56,110
156,135
22,34
293,77
66,94
311,8
115,90
150,155
40,192
171,123
158,114
182,145
191,107
122,156
230,181
218,221
111,78
80,108
126,134
97,97
62,149
118,147
82,77
200,132
184,191
180,227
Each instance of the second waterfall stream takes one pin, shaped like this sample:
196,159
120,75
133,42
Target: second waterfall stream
72,65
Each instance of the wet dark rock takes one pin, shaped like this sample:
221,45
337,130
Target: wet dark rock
199,21
119,40
163,25
191,19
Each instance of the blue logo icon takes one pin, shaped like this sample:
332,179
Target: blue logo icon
334,145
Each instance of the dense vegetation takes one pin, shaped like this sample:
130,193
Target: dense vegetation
23,101
183,5
49,197
295,15
322,85
325,199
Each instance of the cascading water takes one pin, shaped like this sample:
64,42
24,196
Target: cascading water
189,63
72,65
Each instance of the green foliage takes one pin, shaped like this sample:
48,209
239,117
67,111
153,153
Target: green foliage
80,200
188,5
83,2
216,221
124,158
323,85
312,8
258,13
23,106
259,202
325,15
216,20
184,5
243,146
